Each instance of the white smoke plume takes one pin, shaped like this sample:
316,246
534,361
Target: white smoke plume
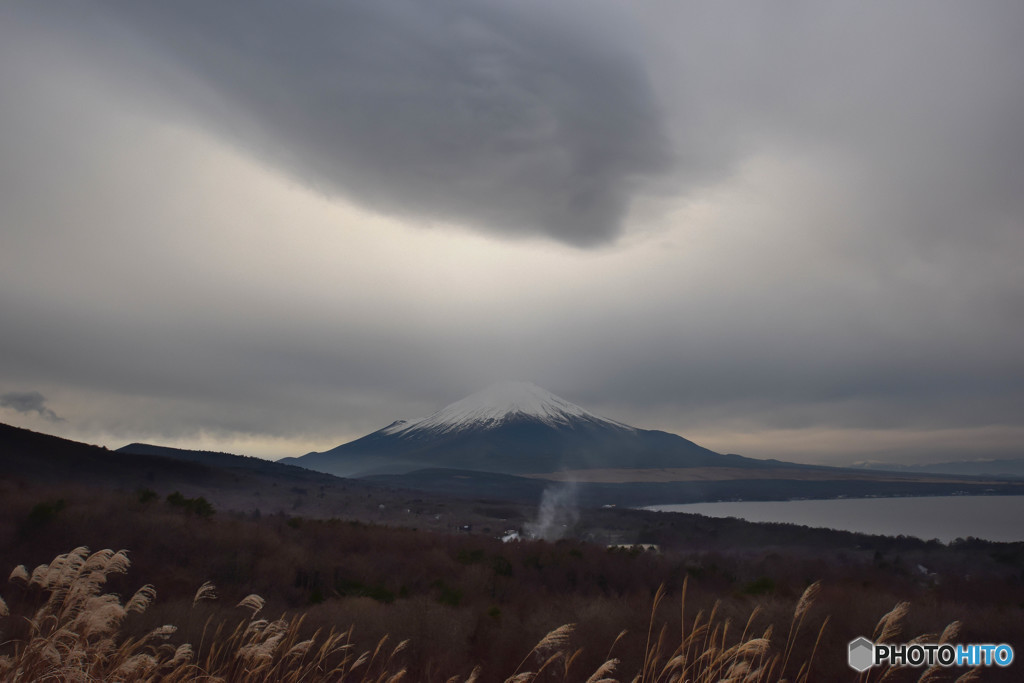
557,514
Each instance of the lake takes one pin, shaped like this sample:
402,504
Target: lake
995,518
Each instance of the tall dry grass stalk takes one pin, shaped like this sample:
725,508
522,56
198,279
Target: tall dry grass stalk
890,626
708,650
75,635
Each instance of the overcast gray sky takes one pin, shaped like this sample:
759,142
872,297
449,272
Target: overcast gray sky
790,231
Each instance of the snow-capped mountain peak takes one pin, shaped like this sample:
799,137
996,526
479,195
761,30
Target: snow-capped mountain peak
512,428
500,403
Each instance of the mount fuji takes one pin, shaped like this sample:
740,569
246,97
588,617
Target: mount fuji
514,428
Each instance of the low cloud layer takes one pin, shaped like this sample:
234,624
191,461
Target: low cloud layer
28,402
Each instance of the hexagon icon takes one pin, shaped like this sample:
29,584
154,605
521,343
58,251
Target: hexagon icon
862,654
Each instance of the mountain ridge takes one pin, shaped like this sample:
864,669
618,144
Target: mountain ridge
514,428
234,482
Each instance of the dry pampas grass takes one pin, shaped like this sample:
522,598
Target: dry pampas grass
76,634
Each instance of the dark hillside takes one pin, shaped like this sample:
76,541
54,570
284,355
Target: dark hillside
33,456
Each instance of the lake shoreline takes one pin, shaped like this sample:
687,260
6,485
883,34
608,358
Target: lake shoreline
993,517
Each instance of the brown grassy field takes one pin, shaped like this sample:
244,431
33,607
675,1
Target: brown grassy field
462,601
78,632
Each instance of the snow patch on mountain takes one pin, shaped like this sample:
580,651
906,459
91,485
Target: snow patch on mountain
500,403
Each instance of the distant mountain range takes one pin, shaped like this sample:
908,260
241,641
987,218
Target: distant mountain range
516,428
1008,467
30,459
43,465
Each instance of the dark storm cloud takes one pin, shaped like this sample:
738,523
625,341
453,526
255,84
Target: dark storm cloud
516,118
28,402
